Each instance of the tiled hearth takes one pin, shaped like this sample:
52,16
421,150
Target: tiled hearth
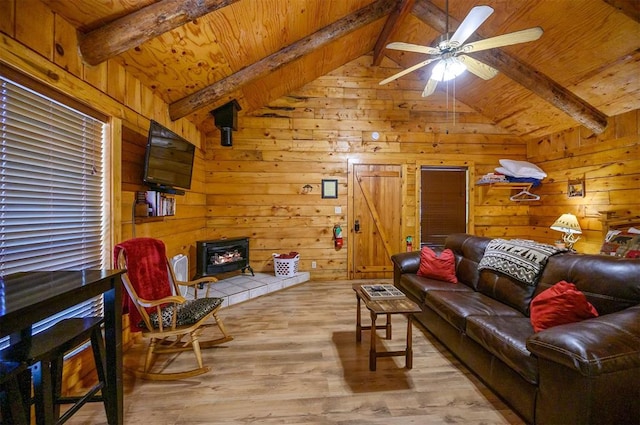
237,289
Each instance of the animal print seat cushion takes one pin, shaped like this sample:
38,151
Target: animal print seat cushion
188,313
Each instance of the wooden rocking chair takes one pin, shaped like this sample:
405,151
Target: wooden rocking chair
171,322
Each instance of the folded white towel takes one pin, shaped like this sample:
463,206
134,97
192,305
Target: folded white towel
515,168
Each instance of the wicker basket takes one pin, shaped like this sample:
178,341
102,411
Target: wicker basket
285,267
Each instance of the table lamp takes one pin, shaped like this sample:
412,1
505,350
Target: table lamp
569,226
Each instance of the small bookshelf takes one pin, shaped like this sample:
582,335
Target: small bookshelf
152,203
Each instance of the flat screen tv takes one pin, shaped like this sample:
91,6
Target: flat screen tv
168,161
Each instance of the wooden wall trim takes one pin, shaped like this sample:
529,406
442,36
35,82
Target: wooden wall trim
20,57
115,189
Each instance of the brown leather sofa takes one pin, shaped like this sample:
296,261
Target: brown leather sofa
581,373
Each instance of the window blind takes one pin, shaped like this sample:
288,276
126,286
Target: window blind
52,189
443,203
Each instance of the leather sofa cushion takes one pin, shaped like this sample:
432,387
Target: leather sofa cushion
456,306
507,290
595,347
610,283
469,250
418,286
505,337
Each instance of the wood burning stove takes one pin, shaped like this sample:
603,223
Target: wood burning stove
222,256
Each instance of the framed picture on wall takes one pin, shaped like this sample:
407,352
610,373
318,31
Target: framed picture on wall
575,188
329,188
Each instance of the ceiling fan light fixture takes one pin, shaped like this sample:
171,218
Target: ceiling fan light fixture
451,52
448,69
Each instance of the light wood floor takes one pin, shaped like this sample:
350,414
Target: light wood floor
294,360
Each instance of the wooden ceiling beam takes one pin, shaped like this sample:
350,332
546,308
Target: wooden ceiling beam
631,8
396,17
552,92
520,73
142,25
220,89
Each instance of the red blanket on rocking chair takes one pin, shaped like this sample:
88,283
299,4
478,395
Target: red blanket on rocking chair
146,263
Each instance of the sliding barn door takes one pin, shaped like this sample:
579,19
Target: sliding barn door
377,206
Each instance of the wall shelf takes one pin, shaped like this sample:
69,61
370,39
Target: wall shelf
152,204
140,220
486,189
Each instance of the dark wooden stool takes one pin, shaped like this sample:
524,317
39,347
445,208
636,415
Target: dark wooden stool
13,405
45,356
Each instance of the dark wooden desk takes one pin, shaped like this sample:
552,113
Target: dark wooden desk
26,298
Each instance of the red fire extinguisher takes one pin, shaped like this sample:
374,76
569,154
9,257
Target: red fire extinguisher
409,243
337,236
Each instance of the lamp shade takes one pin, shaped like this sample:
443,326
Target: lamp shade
567,223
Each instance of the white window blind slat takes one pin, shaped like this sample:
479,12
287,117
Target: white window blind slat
52,189
27,125
40,158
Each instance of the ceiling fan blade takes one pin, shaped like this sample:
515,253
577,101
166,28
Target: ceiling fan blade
408,70
474,19
398,45
523,36
476,67
430,87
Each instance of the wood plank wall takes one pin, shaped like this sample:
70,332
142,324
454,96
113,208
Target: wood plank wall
44,46
255,188
608,163
41,45
179,232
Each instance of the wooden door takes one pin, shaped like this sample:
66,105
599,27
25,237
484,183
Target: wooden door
377,206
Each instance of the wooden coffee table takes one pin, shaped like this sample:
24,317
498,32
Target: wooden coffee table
391,306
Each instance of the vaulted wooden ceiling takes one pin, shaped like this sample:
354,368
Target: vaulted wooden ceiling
198,55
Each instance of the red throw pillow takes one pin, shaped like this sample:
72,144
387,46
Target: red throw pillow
441,267
558,305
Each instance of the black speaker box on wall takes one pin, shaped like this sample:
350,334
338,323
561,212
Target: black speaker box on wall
226,119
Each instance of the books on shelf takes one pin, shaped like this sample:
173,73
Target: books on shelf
154,204
382,292
161,205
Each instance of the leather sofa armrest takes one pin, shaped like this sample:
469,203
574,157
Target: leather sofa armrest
604,344
407,262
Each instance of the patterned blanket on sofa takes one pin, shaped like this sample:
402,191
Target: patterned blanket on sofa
521,259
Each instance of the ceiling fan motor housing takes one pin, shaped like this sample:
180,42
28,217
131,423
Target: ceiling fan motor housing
445,44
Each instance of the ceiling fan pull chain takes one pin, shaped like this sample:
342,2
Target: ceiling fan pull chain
447,101
454,103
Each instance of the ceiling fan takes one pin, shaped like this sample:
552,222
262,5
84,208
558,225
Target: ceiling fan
451,53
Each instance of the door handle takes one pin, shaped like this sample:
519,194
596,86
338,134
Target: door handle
356,226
